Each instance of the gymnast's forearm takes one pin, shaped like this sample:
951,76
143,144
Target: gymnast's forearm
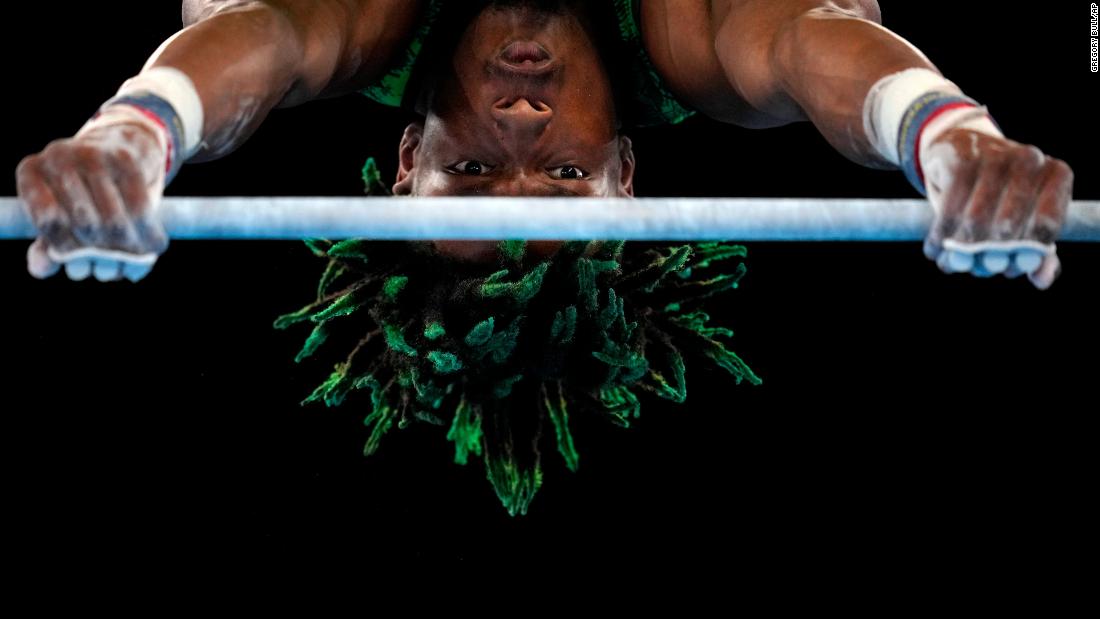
825,62
999,204
243,63
94,196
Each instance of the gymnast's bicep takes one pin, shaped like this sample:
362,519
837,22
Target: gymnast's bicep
345,44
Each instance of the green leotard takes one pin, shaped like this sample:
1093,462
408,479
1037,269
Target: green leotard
651,104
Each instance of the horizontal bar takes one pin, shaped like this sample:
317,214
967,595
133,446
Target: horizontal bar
666,219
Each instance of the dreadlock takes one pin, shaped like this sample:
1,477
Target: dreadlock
495,354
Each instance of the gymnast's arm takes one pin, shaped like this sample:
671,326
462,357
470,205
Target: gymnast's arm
793,60
247,57
93,196
798,60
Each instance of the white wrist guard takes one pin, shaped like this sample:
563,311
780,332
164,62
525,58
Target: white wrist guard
166,98
888,100
175,88
907,110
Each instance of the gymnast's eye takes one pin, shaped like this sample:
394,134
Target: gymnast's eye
471,168
568,172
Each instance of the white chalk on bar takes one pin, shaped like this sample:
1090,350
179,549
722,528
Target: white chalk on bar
663,219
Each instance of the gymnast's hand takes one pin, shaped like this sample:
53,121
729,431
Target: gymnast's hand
93,198
999,205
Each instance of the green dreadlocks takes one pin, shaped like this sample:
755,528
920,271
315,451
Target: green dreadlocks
496,353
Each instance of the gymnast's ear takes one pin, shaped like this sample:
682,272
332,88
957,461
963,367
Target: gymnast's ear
406,158
626,158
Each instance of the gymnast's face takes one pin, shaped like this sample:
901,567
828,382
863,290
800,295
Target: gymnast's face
526,109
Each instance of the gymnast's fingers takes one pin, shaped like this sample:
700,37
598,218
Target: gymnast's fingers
953,170
1052,202
134,271
1045,224
1023,182
39,264
140,195
42,205
118,230
1049,271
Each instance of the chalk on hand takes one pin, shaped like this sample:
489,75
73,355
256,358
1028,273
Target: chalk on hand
134,272
1028,260
959,261
107,270
78,269
995,261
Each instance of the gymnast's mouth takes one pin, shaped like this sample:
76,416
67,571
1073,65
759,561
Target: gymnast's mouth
525,57
534,78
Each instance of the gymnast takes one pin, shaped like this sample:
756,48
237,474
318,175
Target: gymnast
497,340
532,97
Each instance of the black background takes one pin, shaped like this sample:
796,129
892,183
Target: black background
906,416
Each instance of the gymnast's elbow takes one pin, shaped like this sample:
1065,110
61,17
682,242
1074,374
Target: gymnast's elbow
851,9
195,11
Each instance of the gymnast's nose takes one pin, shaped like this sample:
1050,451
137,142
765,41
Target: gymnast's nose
522,117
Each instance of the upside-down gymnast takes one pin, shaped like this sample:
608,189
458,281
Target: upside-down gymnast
532,98
498,340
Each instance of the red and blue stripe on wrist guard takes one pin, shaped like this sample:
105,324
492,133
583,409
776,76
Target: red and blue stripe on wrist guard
164,115
926,108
